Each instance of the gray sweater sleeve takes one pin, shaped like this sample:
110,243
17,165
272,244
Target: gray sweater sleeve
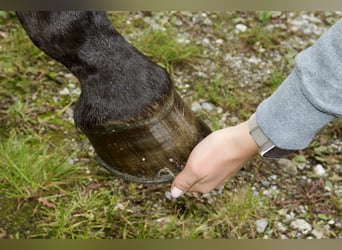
309,98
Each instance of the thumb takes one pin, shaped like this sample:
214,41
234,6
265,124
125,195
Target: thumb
183,182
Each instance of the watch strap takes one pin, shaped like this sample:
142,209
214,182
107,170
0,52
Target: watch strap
256,132
266,147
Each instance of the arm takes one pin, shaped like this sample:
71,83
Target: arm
307,100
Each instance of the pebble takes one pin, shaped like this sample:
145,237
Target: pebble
254,60
288,166
219,41
331,222
317,234
119,206
64,91
301,166
164,220
312,19
273,177
207,106
205,41
76,91
289,217
241,27
280,226
261,225
282,212
319,170
301,225
265,183
195,106
283,237
271,192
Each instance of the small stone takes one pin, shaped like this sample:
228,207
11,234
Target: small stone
76,91
195,106
119,206
317,234
313,19
276,13
207,21
219,41
301,166
261,225
281,227
288,218
168,195
283,237
288,166
164,220
273,177
69,75
301,225
319,170
241,27
254,60
64,91
331,222
265,183
205,41
282,212
207,106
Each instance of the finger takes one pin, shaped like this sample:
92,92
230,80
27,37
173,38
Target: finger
183,182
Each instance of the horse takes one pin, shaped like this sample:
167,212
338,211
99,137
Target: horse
139,126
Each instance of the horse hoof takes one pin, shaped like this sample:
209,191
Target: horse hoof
153,150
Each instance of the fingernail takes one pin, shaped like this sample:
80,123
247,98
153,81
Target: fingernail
176,192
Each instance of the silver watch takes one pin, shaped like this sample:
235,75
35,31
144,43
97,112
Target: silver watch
266,147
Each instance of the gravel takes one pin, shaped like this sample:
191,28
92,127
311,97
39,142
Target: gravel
261,225
301,225
290,178
296,186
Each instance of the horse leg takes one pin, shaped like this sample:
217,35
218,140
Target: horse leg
138,125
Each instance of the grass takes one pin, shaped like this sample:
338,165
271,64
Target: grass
40,181
276,78
165,48
51,186
28,168
219,92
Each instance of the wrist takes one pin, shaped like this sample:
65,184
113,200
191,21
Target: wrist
266,147
248,143
240,141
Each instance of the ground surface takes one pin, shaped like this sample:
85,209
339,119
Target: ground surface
223,64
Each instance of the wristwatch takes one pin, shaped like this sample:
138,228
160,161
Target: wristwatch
266,147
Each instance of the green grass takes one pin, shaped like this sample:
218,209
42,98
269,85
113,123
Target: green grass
164,48
51,186
29,167
238,212
276,78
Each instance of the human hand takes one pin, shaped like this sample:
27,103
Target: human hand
215,160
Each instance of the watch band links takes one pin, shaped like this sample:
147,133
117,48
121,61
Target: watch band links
266,147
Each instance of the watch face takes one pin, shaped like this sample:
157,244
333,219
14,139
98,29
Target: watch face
275,152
